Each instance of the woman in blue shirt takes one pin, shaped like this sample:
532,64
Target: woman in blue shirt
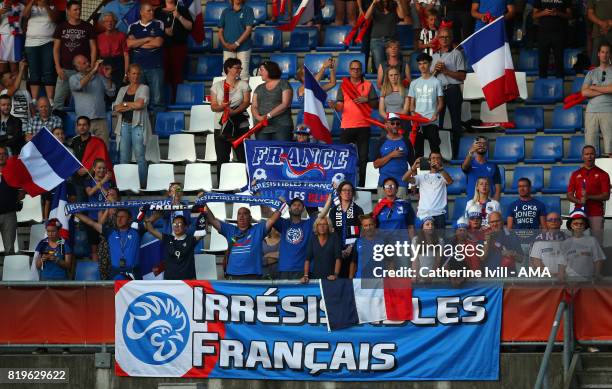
53,256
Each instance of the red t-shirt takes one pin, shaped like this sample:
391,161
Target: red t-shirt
111,45
597,182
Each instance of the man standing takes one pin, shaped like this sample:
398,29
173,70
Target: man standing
426,99
598,86
599,12
449,69
11,135
355,100
295,238
145,40
394,154
235,27
432,189
43,118
245,254
89,88
552,16
589,189
72,37
8,208
547,251
475,165
526,215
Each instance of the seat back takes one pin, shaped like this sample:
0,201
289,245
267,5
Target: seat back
363,198
465,144
182,148
344,60
552,203
198,177
202,118
126,177
314,62
212,12
497,115
529,61
567,118
504,203
459,208
548,147
577,84
334,37
206,267
217,242
267,39
254,82
233,176
37,233
160,176
459,180
372,176
471,86
87,271
328,13
534,173
560,175
209,66
168,123
529,117
210,153
190,93
548,88
287,63
575,146
16,268
570,57
510,147
31,210
260,10
304,37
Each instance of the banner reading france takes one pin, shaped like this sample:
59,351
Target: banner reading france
302,170
279,332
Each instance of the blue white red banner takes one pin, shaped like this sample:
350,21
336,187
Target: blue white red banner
281,164
279,332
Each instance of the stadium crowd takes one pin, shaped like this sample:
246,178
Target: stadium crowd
68,63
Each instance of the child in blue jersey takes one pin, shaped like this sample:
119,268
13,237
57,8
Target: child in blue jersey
53,256
96,190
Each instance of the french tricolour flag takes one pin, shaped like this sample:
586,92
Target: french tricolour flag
314,108
488,52
42,165
295,19
358,301
195,9
58,208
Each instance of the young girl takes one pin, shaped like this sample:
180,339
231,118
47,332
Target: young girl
393,95
96,191
482,199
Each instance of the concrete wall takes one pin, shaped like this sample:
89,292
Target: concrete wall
518,370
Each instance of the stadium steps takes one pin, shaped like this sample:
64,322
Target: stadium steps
596,371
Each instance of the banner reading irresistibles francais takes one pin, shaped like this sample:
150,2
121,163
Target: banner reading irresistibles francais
258,331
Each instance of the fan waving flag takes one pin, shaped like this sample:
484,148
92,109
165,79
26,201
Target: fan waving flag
296,17
58,208
488,52
314,108
195,9
357,301
42,165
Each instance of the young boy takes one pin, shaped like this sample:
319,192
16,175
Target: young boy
428,32
426,99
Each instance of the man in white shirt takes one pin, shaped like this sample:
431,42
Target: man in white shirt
547,251
432,188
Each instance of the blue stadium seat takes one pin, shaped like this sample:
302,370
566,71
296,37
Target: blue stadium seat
333,39
574,154
528,120
559,178
206,46
87,271
303,39
534,173
168,123
570,56
254,62
566,121
406,36
344,60
502,173
414,66
315,61
267,39
529,62
260,10
212,13
458,209
207,68
375,130
372,151
504,204
287,64
295,103
328,13
552,203
336,128
508,149
546,149
188,95
547,91
464,145
577,84
332,93
70,125
459,180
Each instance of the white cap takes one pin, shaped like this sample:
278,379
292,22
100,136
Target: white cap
392,116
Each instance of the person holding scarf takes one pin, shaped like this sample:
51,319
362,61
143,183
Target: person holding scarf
483,201
229,99
355,100
53,256
392,213
345,215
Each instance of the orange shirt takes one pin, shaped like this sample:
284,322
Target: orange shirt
352,115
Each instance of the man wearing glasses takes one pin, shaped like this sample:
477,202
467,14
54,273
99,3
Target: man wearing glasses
501,247
449,69
547,251
598,86
355,101
394,154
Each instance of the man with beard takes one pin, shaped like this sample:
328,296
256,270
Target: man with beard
475,165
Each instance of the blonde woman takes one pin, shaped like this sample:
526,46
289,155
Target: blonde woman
482,200
393,95
324,253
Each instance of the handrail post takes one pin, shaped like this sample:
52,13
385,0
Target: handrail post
567,340
550,345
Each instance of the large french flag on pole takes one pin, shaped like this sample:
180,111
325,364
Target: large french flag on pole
42,165
488,52
314,108
358,301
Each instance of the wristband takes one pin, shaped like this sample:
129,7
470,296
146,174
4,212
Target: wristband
237,43
282,208
269,116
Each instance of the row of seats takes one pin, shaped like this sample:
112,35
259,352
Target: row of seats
552,203
213,10
529,60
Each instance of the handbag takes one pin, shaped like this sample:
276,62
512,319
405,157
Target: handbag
235,126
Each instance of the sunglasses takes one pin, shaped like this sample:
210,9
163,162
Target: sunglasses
603,76
395,123
177,224
389,186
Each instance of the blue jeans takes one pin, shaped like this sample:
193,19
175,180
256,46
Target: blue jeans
154,78
40,64
377,48
132,138
62,90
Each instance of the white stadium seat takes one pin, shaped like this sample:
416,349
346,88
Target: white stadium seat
126,177
232,177
206,267
31,211
16,268
202,119
159,177
181,148
198,177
